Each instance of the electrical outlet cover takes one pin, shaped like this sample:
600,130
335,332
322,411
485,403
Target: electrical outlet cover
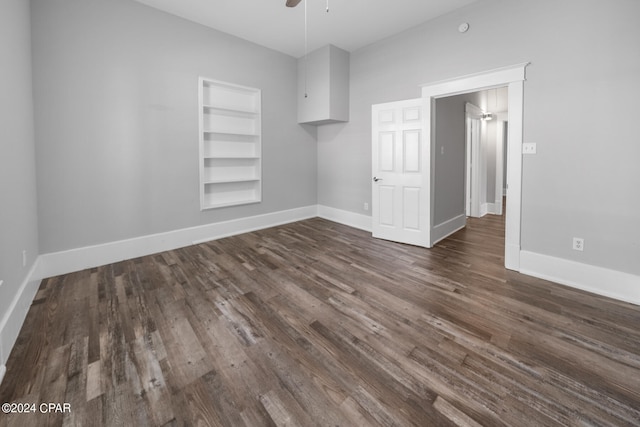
578,244
529,148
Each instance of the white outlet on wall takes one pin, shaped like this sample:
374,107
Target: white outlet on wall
578,244
529,148
366,206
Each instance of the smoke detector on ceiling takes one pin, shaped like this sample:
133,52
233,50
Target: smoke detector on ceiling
464,27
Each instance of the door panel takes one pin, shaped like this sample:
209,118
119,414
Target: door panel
386,117
400,189
386,205
411,208
387,151
411,114
411,155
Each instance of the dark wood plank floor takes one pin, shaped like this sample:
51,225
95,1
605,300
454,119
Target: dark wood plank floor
315,323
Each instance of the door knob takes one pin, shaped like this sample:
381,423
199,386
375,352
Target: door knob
376,179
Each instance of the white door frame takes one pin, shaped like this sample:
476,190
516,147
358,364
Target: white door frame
500,148
513,77
473,113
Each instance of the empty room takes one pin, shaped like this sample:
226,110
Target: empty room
319,213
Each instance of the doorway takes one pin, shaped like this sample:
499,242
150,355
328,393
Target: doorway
485,120
468,165
513,78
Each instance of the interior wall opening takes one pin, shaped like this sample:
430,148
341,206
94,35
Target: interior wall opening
470,157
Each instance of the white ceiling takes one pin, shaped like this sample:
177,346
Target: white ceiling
350,24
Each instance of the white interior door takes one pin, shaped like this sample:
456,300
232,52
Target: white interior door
401,161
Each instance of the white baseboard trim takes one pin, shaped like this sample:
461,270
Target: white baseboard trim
484,209
490,208
512,256
57,263
494,209
598,280
12,321
447,228
352,219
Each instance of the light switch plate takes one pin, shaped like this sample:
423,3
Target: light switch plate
529,148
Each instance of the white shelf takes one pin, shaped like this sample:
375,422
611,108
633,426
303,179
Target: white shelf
228,181
230,193
224,205
229,111
228,96
230,132
230,144
231,157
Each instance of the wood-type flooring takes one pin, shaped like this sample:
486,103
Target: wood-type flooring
318,324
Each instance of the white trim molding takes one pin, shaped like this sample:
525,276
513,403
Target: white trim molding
447,228
513,77
491,209
12,321
352,219
63,262
598,280
485,79
56,263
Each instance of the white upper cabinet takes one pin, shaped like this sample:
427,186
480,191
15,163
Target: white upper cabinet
323,86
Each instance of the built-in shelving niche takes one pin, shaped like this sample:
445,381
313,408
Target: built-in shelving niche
230,144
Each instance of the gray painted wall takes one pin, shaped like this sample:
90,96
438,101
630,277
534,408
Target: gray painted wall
449,170
580,95
18,221
116,117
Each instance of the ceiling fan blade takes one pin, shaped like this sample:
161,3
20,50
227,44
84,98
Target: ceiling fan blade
292,3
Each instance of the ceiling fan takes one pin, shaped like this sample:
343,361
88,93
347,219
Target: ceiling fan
294,3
